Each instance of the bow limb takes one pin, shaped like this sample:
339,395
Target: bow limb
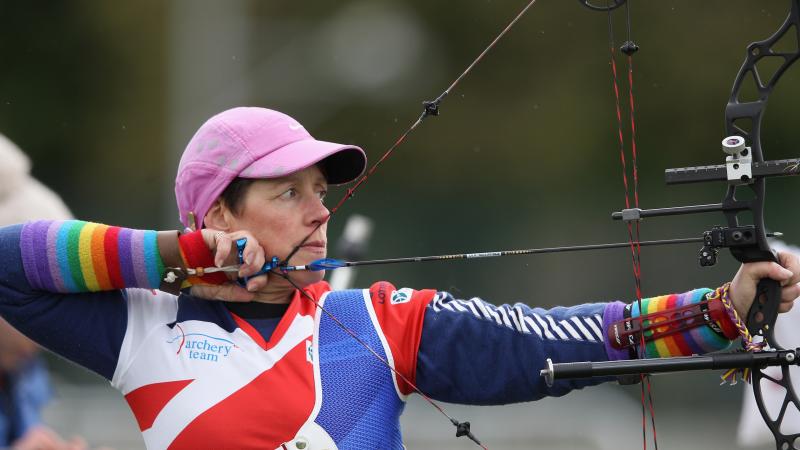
744,118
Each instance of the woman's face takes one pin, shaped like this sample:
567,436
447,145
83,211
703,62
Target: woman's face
282,212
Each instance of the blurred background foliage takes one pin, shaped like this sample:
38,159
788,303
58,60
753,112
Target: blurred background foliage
104,95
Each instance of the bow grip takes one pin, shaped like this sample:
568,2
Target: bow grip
764,311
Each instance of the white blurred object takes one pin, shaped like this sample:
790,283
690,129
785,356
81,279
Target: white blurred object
22,197
371,46
351,246
752,429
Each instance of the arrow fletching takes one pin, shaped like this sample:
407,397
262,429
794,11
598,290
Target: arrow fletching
318,265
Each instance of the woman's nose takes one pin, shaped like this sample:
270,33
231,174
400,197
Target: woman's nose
319,212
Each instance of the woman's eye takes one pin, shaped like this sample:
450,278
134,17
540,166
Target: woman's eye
291,193
322,195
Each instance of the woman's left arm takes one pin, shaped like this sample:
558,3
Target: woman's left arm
473,352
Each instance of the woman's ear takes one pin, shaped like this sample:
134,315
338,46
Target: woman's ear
218,217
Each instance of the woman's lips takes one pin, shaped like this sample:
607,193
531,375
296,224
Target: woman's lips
315,247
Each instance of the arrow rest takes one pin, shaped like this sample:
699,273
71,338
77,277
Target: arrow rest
725,237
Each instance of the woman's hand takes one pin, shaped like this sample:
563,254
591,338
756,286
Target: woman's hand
743,287
223,246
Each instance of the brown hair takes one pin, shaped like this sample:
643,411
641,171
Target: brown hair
234,194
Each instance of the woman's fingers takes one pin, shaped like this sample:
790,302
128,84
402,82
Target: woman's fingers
226,253
223,246
790,293
785,307
771,270
257,283
790,290
253,255
792,263
743,286
257,260
786,271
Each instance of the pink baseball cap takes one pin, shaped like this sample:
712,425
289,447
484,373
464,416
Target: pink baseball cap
252,142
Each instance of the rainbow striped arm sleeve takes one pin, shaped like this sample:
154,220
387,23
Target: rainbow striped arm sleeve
699,340
75,256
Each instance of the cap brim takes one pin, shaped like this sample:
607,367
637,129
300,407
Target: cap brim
340,163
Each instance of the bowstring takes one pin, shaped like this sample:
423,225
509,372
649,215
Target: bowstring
431,109
633,229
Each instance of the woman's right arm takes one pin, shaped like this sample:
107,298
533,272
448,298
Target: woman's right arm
66,284
62,284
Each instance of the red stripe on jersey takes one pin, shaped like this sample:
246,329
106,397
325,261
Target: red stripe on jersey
400,317
261,415
147,401
300,305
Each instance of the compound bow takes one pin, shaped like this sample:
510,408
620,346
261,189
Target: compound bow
745,168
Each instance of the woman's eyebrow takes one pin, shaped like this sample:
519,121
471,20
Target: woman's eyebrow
284,180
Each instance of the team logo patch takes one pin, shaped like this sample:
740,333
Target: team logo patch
401,296
202,346
309,352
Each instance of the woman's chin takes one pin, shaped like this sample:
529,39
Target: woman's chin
305,278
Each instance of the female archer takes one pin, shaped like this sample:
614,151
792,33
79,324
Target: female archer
281,361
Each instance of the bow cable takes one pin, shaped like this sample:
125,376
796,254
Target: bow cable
629,48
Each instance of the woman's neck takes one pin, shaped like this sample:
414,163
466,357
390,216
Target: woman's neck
276,292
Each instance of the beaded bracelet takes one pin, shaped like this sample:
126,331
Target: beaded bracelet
723,293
